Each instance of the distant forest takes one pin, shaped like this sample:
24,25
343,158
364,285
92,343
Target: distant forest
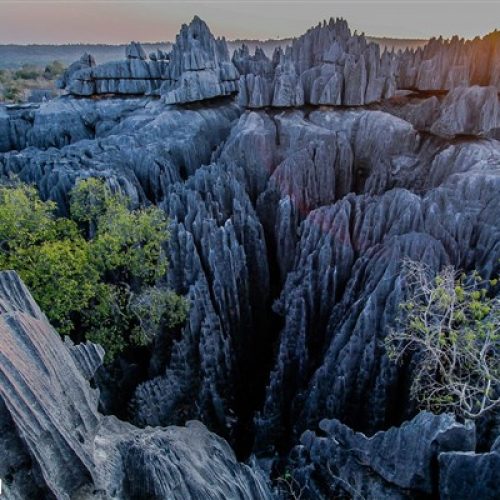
16,56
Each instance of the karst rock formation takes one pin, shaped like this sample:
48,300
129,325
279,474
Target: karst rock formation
327,65
48,413
292,205
197,68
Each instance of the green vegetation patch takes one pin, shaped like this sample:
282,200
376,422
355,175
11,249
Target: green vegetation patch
98,275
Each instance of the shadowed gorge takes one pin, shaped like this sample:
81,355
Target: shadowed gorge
295,186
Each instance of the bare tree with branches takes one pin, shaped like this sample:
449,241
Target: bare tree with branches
290,487
451,324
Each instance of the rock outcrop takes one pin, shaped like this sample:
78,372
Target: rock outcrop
200,67
428,456
139,146
197,68
447,64
83,65
134,50
464,111
133,76
342,292
468,111
55,443
325,66
401,462
469,475
218,258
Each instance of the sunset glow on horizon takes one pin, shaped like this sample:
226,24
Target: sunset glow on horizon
113,21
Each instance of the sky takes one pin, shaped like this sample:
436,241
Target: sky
119,21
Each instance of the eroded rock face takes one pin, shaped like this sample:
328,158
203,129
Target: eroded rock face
468,111
464,111
218,258
339,254
397,463
51,406
139,146
133,76
447,64
325,66
200,67
135,51
55,443
469,475
343,291
84,64
197,68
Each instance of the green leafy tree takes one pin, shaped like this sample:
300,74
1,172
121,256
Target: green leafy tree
451,325
53,70
62,276
90,200
48,252
12,92
5,76
97,274
27,72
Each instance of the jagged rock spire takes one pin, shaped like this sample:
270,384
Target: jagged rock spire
200,67
135,51
447,64
197,68
326,65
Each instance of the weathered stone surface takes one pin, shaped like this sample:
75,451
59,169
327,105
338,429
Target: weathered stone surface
447,64
464,111
200,67
343,288
52,408
325,66
55,444
134,50
420,112
398,463
469,476
468,111
216,250
258,63
197,68
139,146
85,63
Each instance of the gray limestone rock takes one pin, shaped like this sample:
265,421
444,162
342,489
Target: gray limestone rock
50,403
448,64
421,113
139,146
134,50
355,81
325,66
55,443
215,229
400,462
468,111
312,210
85,63
258,63
341,285
469,476
199,67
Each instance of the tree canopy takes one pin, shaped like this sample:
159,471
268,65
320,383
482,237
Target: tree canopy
450,324
96,274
